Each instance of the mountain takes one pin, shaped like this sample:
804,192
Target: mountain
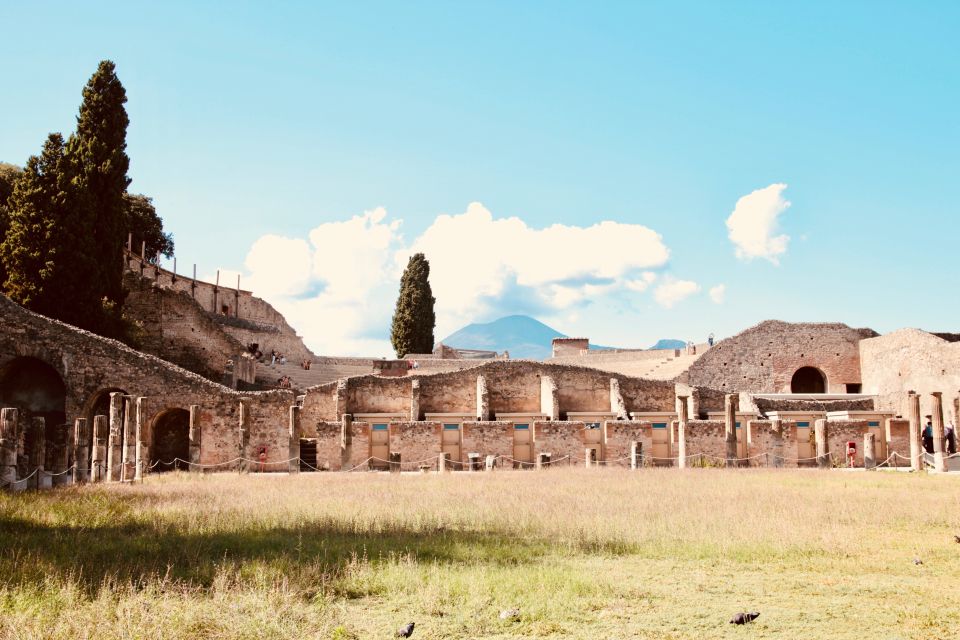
666,343
522,336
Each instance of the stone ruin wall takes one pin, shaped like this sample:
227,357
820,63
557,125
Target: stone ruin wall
764,358
250,319
910,359
91,366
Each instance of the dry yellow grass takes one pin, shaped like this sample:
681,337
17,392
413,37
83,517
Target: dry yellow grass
582,554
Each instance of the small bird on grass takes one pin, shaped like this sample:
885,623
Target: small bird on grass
510,614
406,630
744,617
917,561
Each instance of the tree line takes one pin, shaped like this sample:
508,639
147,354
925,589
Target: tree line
66,215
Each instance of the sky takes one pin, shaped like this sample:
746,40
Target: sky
621,171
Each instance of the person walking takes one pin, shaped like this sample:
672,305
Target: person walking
928,435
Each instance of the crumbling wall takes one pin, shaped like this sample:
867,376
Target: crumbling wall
764,358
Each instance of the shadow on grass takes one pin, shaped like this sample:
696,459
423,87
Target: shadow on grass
138,553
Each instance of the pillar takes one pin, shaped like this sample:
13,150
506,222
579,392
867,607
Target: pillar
823,445
617,405
243,435
730,405
9,435
293,454
59,448
81,451
140,451
588,458
415,399
636,455
195,436
939,464
38,453
916,460
346,440
483,400
114,438
682,432
444,462
128,451
99,471
549,398
776,431
395,462
869,451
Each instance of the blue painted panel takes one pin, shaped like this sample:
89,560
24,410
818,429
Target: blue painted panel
451,427
736,425
521,426
873,423
802,425
659,425
379,427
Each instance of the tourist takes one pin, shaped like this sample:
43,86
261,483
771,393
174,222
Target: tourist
710,340
950,436
273,357
928,436
283,359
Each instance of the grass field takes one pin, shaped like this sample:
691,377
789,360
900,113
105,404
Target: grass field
582,554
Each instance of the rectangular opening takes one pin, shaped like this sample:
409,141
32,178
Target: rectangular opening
873,423
854,387
521,426
451,427
803,425
659,425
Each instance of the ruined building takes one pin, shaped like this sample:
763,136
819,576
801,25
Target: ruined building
80,407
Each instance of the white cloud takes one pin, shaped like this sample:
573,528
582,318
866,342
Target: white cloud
754,221
673,291
339,288
718,293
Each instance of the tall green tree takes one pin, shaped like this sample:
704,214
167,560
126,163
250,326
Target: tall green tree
97,159
146,226
414,319
8,175
37,247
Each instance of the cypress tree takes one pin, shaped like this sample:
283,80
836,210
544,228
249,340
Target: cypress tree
98,164
37,245
414,319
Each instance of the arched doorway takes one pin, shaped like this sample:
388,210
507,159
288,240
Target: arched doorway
808,380
171,441
36,388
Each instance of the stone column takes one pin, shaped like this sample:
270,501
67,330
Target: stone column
444,463
483,400
549,398
776,431
81,451
9,435
730,406
114,438
195,437
617,405
99,471
939,464
588,460
243,436
38,453
916,459
59,447
346,441
869,451
823,445
636,453
128,452
682,432
140,450
415,399
294,452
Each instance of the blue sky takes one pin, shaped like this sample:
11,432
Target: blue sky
253,127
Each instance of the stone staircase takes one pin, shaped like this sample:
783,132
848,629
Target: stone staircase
320,372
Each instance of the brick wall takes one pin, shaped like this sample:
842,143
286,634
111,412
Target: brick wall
764,358
619,434
559,439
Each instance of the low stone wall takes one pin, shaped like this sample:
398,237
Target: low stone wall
621,434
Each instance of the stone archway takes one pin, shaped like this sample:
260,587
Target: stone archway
36,388
170,443
808,380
